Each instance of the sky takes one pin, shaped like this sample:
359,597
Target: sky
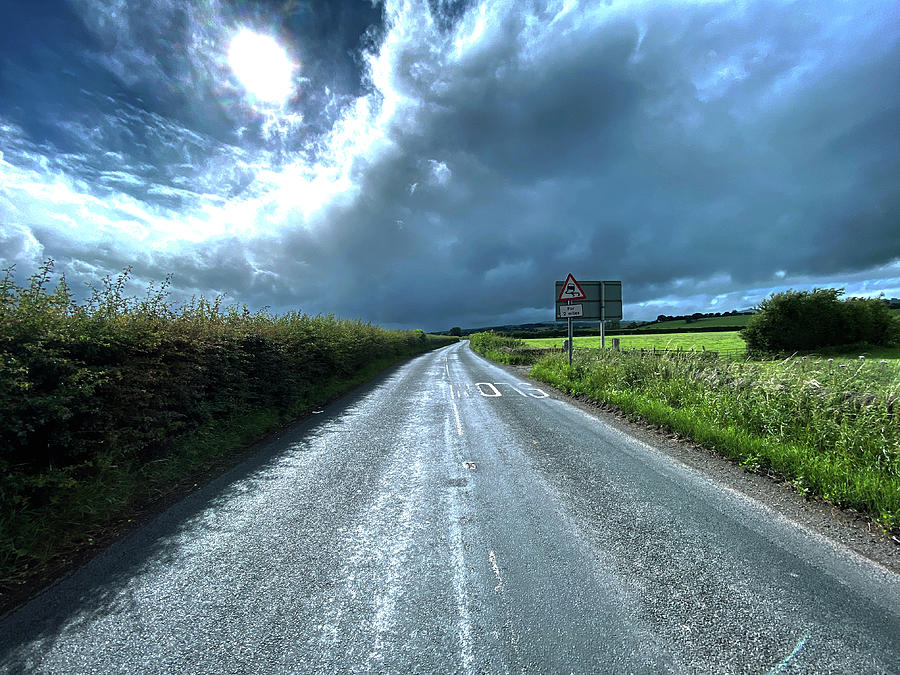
438,163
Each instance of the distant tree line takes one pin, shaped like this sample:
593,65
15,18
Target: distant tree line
689,318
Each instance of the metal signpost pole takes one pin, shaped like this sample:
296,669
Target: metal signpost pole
602,316
571,335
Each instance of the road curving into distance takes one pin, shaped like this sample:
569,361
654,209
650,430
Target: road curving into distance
450,517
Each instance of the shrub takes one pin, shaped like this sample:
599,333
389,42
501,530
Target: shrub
806,320
497,347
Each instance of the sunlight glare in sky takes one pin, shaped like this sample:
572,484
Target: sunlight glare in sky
262,66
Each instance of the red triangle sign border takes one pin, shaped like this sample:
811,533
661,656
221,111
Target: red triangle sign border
581,295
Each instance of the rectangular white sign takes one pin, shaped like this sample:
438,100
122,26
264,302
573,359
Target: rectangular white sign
569,311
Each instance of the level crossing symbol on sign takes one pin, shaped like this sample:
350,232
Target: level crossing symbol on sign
571,290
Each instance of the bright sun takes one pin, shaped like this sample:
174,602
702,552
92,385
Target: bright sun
262,66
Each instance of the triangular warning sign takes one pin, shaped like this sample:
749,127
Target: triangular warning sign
571,290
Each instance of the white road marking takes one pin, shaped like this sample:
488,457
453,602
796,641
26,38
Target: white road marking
493,558
458,423
540,392
787,659
494,392
518,391
492,387
464,626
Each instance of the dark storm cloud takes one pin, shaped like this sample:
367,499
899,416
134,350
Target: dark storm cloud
442,163
638,169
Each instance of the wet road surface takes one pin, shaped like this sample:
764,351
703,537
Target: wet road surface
451,518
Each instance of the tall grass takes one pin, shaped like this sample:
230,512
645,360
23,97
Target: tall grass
107,402
498,348
831,427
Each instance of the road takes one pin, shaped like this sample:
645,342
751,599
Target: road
451,518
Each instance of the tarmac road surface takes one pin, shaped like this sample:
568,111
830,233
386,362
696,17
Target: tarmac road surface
450,517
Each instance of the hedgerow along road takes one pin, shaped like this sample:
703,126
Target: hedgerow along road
452,517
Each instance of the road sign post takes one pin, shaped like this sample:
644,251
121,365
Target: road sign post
571,290
597,301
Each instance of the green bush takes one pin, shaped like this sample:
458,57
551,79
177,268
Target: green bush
807,320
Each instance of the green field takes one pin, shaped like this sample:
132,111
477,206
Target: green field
740,321
719,341
727,342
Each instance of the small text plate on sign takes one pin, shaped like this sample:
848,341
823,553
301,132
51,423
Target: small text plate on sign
567,311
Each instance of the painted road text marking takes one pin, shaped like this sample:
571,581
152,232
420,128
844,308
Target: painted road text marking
490,390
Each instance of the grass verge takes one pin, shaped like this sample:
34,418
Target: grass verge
833,431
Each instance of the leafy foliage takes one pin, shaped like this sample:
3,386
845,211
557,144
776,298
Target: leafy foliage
94,392
806,320
498,347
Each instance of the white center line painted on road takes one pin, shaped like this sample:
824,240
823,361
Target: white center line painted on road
464,626
493,558
458,422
